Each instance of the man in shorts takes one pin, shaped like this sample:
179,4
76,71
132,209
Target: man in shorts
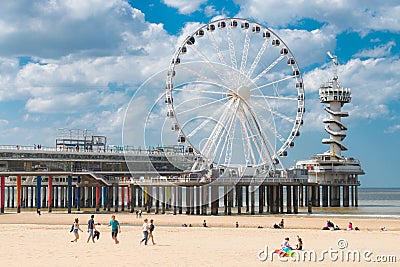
91,228
115,229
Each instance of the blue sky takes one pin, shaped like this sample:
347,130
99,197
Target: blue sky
77,64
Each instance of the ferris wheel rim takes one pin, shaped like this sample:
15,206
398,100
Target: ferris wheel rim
300,91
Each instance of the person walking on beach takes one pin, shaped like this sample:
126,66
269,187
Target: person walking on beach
115,229
145,232
151,229
76,229
91,228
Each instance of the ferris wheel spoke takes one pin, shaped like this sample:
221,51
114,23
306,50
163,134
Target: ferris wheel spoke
232,51
210,146
245,52
229,133
273,64
217,50
273,83
211,65
200,91
246,140
258,58
275,97
204,123
202,106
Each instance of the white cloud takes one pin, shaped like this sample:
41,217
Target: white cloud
378,51
184,6
210,11
393,129
361,17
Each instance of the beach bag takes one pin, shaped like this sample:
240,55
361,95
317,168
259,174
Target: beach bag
96,234
72,228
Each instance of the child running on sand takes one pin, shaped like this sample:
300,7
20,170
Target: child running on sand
115,229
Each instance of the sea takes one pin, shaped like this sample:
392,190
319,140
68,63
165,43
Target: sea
372,202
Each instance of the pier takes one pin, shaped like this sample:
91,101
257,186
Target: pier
29,179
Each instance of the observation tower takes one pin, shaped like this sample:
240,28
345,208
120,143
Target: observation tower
331,170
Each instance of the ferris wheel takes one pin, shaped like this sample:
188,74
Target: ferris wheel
234,96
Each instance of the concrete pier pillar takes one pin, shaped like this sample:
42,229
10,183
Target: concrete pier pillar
288,199
281,199
146,198
346,196
295,199
192,197
123,198
352,195
116,197
140,196
214,199
39,192
69,193
275,199
132,188
334,196
19,194
98,197
204,199
157,199
247,199
32,197
163,199
174,199
198,205
356,196
44,197
324,196
8,196
2,193
230,200
225,200
78,195
26,195
315,196
180,205
187,191
252,200
13,188
49,193
301,196
239,199
261,199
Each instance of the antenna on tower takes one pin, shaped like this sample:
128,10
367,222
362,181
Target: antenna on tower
335,61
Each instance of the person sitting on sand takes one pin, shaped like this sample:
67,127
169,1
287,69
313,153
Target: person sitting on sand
286,244
350,227
299,245
282,224
205,223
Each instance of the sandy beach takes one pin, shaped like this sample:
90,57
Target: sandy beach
31,240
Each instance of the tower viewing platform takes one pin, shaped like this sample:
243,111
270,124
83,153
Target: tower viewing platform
332,170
